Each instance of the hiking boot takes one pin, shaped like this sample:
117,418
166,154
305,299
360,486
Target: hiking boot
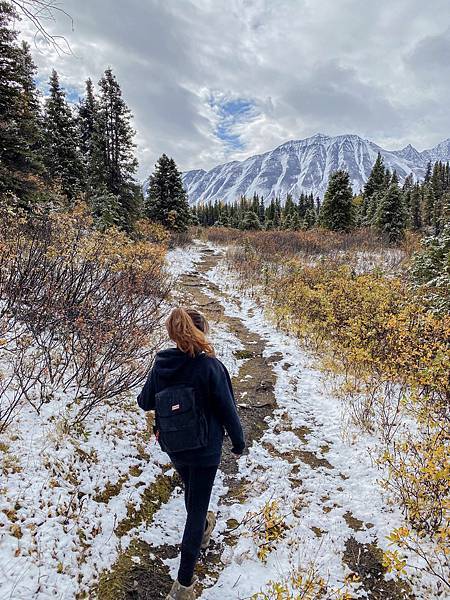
180,592
210,524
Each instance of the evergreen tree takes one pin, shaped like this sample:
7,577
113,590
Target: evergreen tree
302,206
62,156
430,268
296,222
415,212
277,214
166,200
250,221
20,127
87,118
270,211
106,209
428,204
113,160
376,181
390,219
289,206
262,210
336,210
309,219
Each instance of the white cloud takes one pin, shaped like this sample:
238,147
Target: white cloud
334,66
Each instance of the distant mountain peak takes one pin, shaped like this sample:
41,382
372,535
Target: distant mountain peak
305,165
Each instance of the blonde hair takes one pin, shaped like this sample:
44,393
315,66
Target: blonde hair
187,327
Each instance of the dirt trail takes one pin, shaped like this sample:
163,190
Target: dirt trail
140,573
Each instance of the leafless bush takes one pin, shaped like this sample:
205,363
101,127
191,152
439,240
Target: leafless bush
80,312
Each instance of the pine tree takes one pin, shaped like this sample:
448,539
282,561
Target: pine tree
20,127
106,210
428,204
390,219
415,208
62,156
309,219
430,268
87,117
376,180
377,183
270,211
261,210
277,214
166,200
296,222
250,221
113,160
336,210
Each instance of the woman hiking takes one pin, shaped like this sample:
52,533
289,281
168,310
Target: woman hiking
190,391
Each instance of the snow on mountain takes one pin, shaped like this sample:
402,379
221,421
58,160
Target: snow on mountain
305,165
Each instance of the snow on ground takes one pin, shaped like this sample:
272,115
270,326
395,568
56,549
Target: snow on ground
62,493
56,529
182,259
344,484
57,534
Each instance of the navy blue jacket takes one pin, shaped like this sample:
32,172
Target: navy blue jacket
212,385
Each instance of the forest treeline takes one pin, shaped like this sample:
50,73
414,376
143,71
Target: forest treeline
384,205
56,153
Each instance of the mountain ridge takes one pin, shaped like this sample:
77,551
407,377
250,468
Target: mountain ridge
305,165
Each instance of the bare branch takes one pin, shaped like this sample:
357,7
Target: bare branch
39,11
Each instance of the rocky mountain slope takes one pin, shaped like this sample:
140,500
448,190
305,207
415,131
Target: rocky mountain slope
305,165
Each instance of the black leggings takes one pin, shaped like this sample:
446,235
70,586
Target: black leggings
198,483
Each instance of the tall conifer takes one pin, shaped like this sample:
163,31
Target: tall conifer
62,156
336,210
166,200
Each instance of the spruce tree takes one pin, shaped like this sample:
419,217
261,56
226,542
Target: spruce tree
20,126
250,221
428,204
390,219
261,210
166,200
106,210
277,214
296,222
62,156
336,210
376,179
87,108
113,160
375,186
309,219
415,208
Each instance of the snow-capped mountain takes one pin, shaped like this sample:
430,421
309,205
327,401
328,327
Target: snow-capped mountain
305,166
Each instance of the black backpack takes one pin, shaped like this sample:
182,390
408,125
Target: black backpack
180,422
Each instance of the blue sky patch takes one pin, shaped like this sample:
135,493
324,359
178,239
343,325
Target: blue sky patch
72,94
232,112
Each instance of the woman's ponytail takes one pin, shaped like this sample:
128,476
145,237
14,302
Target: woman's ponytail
187,327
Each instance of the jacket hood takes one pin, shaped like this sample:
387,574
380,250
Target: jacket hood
170,361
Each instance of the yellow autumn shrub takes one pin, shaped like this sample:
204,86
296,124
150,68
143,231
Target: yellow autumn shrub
391,356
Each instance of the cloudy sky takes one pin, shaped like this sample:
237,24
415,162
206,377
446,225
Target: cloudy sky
214,80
